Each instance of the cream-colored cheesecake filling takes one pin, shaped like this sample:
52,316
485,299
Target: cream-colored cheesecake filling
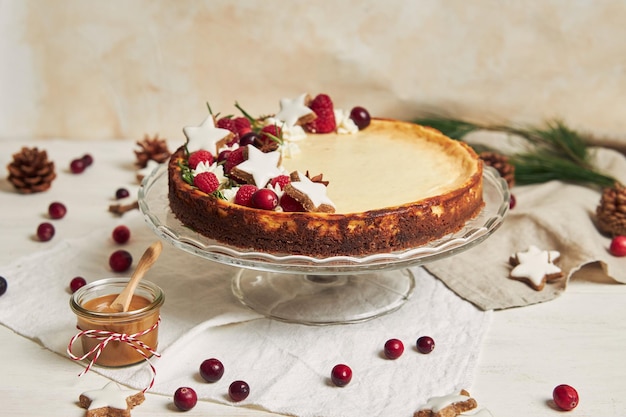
379,168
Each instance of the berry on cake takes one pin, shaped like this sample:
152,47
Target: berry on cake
389,185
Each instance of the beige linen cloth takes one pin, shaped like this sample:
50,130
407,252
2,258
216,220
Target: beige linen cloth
552,216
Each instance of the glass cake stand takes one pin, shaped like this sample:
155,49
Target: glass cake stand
332,290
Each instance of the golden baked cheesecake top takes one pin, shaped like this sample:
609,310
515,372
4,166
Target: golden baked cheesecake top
388,164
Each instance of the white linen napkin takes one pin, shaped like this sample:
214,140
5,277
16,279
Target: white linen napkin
287,365
552,216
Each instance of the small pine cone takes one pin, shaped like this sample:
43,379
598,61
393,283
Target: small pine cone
154,149
501,164
31,171
611,212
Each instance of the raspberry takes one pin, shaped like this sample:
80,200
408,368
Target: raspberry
200,156
281,181
227,123
325,122
289,203
244,195
272,130
207,182
234,158
242,125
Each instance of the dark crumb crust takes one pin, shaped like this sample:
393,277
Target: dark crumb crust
323,234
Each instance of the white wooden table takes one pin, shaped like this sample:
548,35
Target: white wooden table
577,339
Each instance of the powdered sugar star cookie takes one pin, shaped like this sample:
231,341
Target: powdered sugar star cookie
312,195
535,267
206,136
110,401
451,405
259,168
295,111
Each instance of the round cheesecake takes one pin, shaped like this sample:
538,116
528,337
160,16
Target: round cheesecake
394,186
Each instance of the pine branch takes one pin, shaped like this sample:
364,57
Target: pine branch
452,128
558,153
539,167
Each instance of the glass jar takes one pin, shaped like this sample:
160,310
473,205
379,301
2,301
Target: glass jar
97,321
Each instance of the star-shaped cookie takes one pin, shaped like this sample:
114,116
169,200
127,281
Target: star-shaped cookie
447,406
535,267
312,195
110,401
259,168
295,111
206,136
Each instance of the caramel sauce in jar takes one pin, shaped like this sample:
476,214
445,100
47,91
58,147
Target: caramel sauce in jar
91,304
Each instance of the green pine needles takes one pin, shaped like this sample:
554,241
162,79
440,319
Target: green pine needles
556,152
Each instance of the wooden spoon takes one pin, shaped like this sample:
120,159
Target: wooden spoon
122,302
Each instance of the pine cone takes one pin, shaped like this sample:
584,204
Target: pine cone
31,171
501,164
154,149
611,213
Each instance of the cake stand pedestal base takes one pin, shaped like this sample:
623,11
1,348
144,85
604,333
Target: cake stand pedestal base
323,299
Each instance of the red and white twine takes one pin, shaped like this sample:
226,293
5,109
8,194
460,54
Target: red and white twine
105,337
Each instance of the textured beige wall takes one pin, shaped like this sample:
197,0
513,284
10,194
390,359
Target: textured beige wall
119,69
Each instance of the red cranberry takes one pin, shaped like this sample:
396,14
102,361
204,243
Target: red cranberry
77,166
512,202
223,156
185,398
264,199
425,344
248,139
239,391
618,246
394,348
341,375
360,117
565,397
76,283
121,193
121,234
288,203
87,160
3,285
211,370
120,260
45,231
56,210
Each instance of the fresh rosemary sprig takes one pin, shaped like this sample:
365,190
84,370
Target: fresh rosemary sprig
557,152
186,172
